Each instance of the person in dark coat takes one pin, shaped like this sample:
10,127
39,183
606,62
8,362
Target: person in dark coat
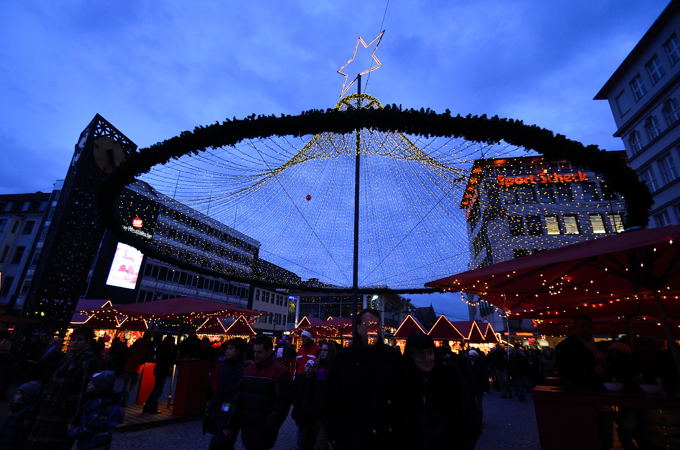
519,372
262,400
365,407
311,390
219,410
20,418
579,363
140,352
100,414
63,394
440,404
165,358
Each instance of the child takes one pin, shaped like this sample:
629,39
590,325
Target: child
21,413
100,413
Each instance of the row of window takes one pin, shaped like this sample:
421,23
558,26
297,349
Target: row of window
163,273
16,258
663,218
534,225
269,297
27,229
671,113
272,319
203,244
556,193
26,206
655,69
665,167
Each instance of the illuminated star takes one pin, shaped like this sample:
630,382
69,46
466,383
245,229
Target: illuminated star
378,64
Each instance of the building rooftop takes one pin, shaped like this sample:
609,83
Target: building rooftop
648,37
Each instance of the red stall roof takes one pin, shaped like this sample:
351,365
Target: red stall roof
443,328
409,326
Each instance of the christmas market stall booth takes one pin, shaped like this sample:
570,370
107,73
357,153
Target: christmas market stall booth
176,317
457,335
629,282
336,329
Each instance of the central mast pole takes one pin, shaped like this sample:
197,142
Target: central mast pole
357,170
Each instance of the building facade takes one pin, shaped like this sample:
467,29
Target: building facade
644,97
519,206
21,217
276,306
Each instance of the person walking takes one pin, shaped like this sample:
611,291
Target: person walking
140,352
262,399
100,414
63,394
519,372
440,404
165,358
229,374
365,407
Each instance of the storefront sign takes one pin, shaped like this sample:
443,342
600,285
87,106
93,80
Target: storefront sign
542,178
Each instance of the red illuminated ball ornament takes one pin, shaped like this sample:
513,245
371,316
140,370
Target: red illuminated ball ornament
137,222
308,197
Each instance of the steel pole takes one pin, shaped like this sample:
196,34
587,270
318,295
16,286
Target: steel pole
357,172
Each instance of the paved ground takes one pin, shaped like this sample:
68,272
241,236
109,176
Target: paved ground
508,425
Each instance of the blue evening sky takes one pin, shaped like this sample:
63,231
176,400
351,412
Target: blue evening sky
154,69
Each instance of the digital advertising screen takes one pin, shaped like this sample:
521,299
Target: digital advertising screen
125,267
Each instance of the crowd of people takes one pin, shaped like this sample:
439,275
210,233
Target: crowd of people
367,395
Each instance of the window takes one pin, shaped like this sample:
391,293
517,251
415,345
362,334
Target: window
634,141
544,193
519,252
662,219
672,47
183,278
6,285
623,103
670,111
509,196
552,226
5,251
617,222
28,227
163,273
652,128
654,69
638,88
9,206
590,192
15,226
650,179
154,272
525,194
257,295
18,253
571,225
562,192
26,206
667,169
607,193
597,223
516,225
534,226
3,225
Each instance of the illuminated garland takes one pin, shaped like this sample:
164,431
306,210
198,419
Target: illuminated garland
617,175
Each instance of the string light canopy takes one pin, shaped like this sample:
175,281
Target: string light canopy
287,182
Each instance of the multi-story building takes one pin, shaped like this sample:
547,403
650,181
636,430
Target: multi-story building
644,96
21,216
519,206
276,305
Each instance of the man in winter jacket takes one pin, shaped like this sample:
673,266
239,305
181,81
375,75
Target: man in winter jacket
263,398
365,406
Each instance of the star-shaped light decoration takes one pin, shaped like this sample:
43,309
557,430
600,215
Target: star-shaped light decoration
378,64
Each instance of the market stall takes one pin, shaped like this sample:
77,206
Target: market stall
406,328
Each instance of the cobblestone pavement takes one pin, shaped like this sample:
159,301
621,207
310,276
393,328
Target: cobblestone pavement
508,425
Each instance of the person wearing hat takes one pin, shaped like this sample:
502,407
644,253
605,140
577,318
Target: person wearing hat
307,354
100,413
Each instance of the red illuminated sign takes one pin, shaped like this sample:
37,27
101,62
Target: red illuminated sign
137,222
542,178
